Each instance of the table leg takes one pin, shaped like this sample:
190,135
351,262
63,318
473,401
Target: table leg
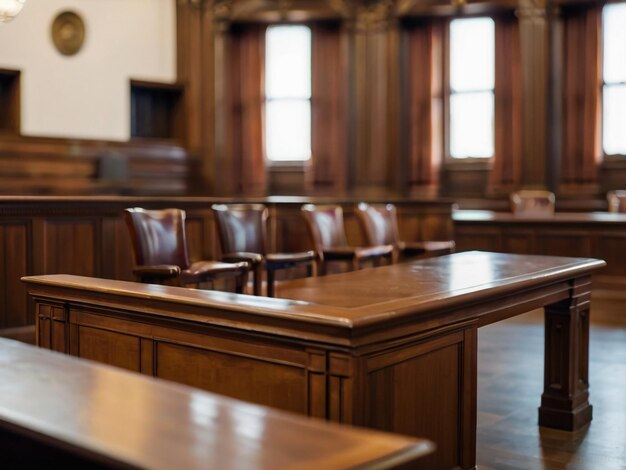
565,400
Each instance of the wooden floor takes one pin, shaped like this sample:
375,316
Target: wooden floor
510,380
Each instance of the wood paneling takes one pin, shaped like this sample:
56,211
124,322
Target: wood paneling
156,110
405,382
117,349
251,379
37,165
88,236
15,239
70,246
598,235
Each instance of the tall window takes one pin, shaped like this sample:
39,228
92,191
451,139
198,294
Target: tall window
614,73
288,93
472,78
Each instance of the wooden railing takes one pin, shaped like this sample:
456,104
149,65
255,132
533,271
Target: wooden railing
87,236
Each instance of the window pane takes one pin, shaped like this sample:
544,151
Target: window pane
471,125
614,117
614,43
288,62
472,54
288,130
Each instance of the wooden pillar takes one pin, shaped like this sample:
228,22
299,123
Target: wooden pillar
223,156
397,177
555,104
195,70
565,400
377,94
534,37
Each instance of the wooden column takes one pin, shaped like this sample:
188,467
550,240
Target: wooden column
223,156
534,37
565,400
397,177
377,95
195,71
555,104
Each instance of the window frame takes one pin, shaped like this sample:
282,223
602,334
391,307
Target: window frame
449,160
292,163
604,84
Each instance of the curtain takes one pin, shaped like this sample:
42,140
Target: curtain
247,59
506,174
425,86
329,102
581,96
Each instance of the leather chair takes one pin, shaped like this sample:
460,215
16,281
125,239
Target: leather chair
379,223
242,230
160,247
327,231
532,202
617,201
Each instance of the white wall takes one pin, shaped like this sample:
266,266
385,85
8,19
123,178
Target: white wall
87,95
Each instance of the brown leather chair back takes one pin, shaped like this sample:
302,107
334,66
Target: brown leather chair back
529,202
242,227
379,223
617,201
325,223
158,236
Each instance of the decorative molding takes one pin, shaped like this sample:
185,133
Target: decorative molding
531,9
222,14
374,14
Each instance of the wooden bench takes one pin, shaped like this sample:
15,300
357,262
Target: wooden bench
57,411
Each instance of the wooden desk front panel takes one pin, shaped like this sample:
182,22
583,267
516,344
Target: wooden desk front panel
589,240
401,388
259,370
409,388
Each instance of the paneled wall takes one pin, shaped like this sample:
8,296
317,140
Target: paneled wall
30,165
378,159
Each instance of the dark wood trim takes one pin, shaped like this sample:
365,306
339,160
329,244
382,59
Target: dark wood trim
157,111
10,102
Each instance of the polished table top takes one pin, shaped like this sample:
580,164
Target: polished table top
343,303
149,423
468,216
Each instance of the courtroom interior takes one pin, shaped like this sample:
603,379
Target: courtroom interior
313,234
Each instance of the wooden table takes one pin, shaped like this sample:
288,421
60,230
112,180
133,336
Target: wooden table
587,234
391,348
60,411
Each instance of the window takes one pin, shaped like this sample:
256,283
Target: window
614,73
288,93
472,78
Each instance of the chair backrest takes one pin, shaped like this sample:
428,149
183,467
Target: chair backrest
325,223
617,201
158,236
532,202
242,227
379,223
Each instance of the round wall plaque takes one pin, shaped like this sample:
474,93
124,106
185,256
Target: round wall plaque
68,32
